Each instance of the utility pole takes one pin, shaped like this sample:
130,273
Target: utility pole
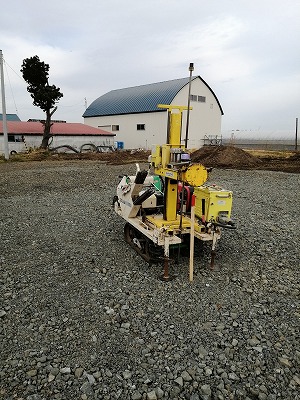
191,69
296,135
5,137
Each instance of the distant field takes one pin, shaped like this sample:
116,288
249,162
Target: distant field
215,156
270,153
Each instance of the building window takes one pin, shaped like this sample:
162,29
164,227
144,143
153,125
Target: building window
115,127
14,138
202,99
193,97
104,126
140,127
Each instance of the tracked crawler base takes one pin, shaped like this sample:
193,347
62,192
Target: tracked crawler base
144,246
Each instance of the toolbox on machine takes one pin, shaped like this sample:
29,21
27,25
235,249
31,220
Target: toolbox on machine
212,202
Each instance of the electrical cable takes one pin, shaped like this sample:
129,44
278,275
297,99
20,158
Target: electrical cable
10,86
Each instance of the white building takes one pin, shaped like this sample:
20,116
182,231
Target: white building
132,113
25,135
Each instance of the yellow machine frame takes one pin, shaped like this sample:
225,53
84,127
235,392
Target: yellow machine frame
168,164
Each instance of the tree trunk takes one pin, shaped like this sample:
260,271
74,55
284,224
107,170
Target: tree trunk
47,127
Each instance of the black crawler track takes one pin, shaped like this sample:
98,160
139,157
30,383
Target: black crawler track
148,250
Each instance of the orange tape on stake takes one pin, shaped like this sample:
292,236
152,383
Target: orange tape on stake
193,202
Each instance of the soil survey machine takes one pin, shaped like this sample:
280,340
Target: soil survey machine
169,205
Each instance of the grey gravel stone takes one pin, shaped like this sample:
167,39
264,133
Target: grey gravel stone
206,390
179,381
208,371
233,376
87,389
65,370
51,377
284,361
78,372
54,371
151,395
262,396
136,396
186,376
91,378
159,392
127,374
32,372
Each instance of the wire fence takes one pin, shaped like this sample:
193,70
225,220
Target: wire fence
257,144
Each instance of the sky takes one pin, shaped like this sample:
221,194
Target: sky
247,51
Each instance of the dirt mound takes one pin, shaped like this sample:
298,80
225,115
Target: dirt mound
295,156
119,157
114,158
224,156
209,156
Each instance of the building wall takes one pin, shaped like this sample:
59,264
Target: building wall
78,141
154,133
205,119
31,141
35,141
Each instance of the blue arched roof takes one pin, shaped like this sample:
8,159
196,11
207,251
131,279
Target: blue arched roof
139,99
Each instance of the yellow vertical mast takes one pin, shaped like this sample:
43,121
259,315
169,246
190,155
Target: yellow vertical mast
168,151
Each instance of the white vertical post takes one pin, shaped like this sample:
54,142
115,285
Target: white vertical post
192,238
5,137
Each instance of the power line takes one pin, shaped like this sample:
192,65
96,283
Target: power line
12,93
73,105
14,71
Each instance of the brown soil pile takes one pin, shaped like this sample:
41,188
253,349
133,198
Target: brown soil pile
224,156
117,157
113,158
296,156
209,156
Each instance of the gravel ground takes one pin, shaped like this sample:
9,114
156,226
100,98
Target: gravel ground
84,317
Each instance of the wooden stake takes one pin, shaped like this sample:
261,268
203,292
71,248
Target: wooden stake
192,238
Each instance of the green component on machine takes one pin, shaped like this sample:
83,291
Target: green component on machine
157,182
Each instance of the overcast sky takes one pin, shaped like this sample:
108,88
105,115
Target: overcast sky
247,51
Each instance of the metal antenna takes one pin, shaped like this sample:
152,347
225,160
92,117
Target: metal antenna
191,69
